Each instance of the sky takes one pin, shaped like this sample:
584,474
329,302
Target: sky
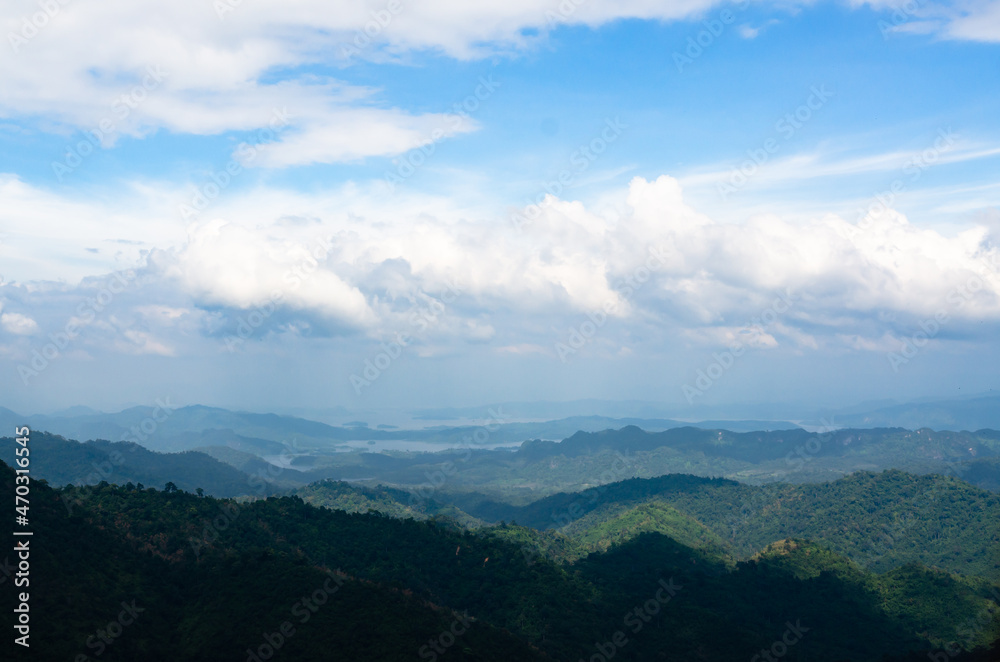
264,205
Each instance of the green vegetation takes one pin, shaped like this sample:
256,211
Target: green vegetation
63,461
881,521
649,517
382,500
216,577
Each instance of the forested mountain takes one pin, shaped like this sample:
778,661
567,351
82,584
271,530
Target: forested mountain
210,579
880,520
382,500
63,461
585,459
984,473
308,451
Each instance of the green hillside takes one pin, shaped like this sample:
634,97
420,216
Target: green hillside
393,502
880,521
217,577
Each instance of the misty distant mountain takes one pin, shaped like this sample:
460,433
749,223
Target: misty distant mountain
170,429
64,461
973,413
762,446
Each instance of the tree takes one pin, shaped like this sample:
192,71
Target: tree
200,492
169,487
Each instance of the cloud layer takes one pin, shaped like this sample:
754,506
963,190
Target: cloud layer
661,272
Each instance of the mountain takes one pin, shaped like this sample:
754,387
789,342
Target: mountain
970,413
382,500
761,446
207,579
62,461
119,579
585,456
983,473
881,521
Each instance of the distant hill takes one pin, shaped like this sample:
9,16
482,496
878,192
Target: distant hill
795,445
62,461
185,428
972,413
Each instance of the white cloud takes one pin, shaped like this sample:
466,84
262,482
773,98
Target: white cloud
48,234
132,341
973,20
129,68
132,67
363,264
976,20
748,31
18,324
945,148
229,265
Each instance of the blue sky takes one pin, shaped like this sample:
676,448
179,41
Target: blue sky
498,201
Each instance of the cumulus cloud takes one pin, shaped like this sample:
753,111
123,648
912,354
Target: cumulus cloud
18,324
662,271
228,265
